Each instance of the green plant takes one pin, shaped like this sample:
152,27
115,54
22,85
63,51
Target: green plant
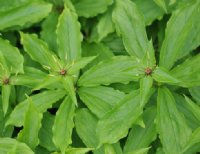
101,77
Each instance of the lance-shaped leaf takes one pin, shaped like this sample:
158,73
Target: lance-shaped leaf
191,117
68,84
130,25
68,36
87,8
193,143
194,91
6,90
63,124
79,64
188,72
150,10
115,124
31,78
104,26
182,34
42,102
8,145
31,127
100,100
24,14
38,51
48,81
146,89
12,56
85,123
194,108
163,76
46,134
117,69
172,121
141,137
48,33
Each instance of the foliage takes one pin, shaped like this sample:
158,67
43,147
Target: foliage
101,77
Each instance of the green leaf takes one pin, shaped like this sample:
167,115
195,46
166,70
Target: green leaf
146,89
77,150
194,108
162,4
130,25
140,151
68,84
194,139
79,64
85,123
188,72
24,14
38,50
182,34
150,10
6,91
172,121
32,77
101,51
63,124
46,134
104,26
117,69
42,102
115,124
100,100
48,33
89,8
142,137
12,56
194,91
47,81
31,127
163,76
183,107
68,36
8,145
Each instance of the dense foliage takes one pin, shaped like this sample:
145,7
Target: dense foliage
100,76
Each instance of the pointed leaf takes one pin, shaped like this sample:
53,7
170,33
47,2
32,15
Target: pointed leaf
85,123
100,100
42,102
46,134
32,125
25,14
142,137
115,124
172,121
68,36
194,91
117,69
87,8
77,150
146,89
188,72
79,64
63,124
6,90
68,83
150,10
38,50
162,75
8,144
130,25
182,34
12,56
